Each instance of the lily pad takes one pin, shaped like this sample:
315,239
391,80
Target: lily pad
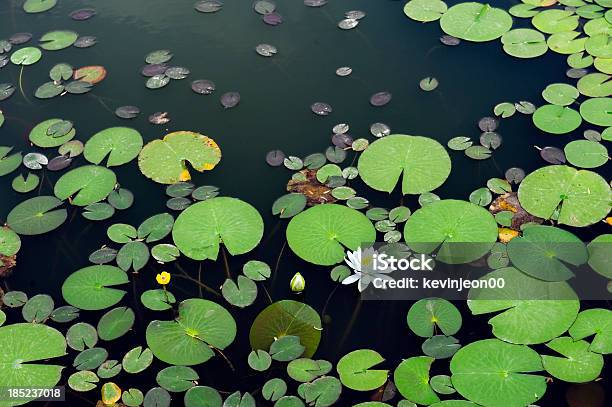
165,161
90,74
37,216
201,229
535,311
356,373
412,380
524,43
460,231
85,185
556,119
424,163
597,111
200,327
284,318
91,288
582,196
427,314
597,322
38,6
22,346
475,22
586,153
493,373
57,40
120,144
321,234
115,323
9,163
425,10
44,134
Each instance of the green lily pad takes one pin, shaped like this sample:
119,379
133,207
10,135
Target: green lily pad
286,348
595,85
115,323
26,56
257,270
120,144
543,252
121,199
187,341
23,185
599,255
424,163
108,369
524,43
425,10
305,370
241,294
597,111
560,94
320,234
427,314
90,359
567,42
578,365
599,45
81,336
8,163
555,21
586,153
177,378
49,90
43,134
157,300
121,233
164,161
132,397
203,396
133,255
460,231
38,308
165,253
82,381
287,206
137,360
535,311
90,288
283,318
10,243
356,373
493,373
412,380
38,6
57,40
440,346
22,345
259,360
598,322
86,185
556,119
37,216
156,228
583,196
323,392
200,229
475,22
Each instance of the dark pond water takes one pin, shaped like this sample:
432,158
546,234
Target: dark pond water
387,52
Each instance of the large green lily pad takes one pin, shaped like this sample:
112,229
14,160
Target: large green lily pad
424,163
586,153
534,311
556,119
23,343
164,161
287,318
321,234
597,322
26,56
37,216
90,288
42,136
475,22
543,252
9,163
57,40
582,196
200,327
200,230
356,373
493,373
412,380
597,111
461,231
579,365
524,43
86,185
120,144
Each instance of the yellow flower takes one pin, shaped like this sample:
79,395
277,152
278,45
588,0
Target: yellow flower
163,278
297,283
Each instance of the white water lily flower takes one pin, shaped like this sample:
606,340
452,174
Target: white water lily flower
362,263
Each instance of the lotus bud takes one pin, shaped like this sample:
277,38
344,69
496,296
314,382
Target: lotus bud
297,283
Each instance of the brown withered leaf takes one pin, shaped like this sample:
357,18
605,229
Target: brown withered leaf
7,263
510,202
315,192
